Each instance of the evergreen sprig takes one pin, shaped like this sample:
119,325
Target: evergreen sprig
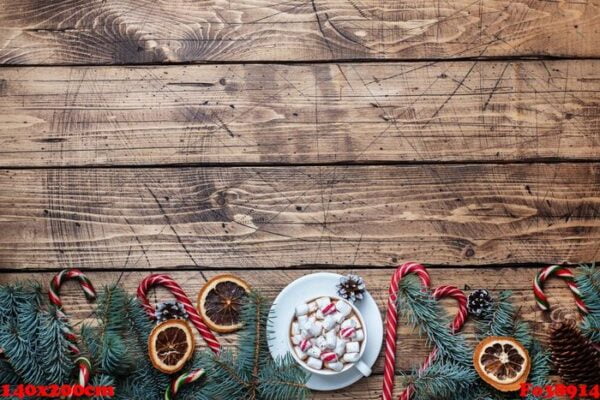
442,378
588,281
502,320
424,313
53,349
118,347
33,351
451,377
250,372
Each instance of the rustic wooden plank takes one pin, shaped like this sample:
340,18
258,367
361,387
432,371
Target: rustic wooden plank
264,217
411,348
142,31
348,113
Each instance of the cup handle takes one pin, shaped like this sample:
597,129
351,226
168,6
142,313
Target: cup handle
363,368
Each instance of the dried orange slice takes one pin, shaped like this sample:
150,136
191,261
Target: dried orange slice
220,302
171,345
502,362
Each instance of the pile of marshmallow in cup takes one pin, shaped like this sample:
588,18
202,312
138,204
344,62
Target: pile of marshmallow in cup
326,334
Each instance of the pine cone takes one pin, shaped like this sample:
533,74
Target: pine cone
170,310
480,302
351,288
575,357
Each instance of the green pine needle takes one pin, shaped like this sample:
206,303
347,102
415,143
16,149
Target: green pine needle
588,281
442,379
425,313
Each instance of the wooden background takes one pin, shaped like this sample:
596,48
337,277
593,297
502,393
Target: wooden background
277,138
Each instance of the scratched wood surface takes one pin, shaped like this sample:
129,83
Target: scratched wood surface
273,139
144,31
332,113
261,217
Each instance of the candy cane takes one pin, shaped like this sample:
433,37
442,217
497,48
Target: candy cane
456,325
567,276
83,364
180,296
184,379
391,321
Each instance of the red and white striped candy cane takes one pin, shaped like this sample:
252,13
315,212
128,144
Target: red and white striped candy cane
456,325
391,321
167,282
560,272
83,364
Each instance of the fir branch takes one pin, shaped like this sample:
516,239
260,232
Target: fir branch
53,351
283,379
502,320
426,314
588,281
226,364
258,329
117,346
442,380
106,343
8,304
223,379
105,380
147,379
7,374
19,336
541,366
253,344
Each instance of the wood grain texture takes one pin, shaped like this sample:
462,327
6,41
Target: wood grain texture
143,31
347,113
284,217
411,348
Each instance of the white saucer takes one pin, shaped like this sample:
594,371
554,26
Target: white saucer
313,285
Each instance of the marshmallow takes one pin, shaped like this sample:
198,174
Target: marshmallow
305,345
314,363
323,301
295,328
340,347
315,329
314,352
321,343
359,335
349,323
329,357
351,357
352,347
329,309
305,334
296,339
301,309
312,307
347,333
339,317
329,323
331,340
336,366
302,319
301,355
344,308
319,315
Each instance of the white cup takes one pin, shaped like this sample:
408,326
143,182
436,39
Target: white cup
360,365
